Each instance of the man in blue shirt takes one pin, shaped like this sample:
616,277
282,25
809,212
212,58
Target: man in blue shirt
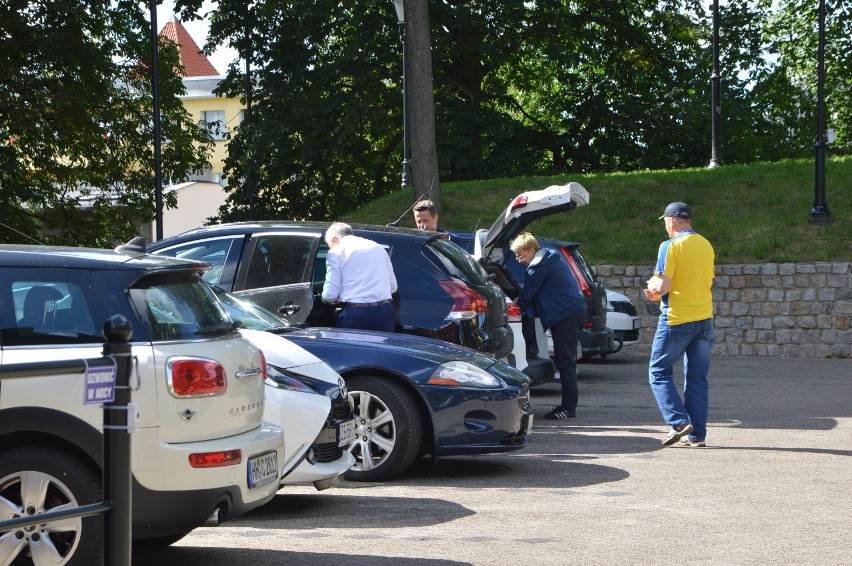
359,276
551,289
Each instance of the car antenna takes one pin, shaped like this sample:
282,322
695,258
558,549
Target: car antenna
25,235
395,223
134,247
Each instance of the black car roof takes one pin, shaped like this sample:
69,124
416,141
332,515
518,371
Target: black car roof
89,258
271,225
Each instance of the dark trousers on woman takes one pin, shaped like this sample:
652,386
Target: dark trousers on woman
566,335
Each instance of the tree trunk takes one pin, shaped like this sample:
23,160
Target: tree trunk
421,102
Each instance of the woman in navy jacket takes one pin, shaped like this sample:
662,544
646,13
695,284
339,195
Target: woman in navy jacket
551,289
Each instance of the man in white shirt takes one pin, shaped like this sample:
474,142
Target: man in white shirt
359,276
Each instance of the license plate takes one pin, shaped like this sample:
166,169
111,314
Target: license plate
636,323
262,469
346,433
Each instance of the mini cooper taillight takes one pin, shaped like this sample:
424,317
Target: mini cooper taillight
467,303
195,377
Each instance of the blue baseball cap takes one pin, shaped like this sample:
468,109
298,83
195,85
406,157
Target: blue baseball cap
677,210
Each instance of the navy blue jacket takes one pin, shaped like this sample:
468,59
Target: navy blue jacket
550,287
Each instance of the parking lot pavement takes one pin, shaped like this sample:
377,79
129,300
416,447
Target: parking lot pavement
774,486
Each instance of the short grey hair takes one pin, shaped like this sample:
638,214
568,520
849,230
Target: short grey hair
337,230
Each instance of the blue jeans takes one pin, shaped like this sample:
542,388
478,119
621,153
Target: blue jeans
693,341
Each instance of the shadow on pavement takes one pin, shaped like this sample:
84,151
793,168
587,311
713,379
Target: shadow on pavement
205,556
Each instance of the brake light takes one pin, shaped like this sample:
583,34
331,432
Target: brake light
215,459
195,377
584,285
514,311
467,303
519,202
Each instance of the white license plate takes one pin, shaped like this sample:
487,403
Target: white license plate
636,323
262,469
346,433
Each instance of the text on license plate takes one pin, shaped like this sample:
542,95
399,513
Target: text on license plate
262,469
346,433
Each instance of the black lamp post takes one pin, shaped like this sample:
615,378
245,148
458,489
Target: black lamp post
716,102
406,153
819,213
155,93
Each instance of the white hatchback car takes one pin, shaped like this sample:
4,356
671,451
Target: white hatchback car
311,403
200,451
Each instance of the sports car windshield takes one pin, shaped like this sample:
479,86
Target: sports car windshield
249,314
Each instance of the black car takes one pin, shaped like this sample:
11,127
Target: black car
280,265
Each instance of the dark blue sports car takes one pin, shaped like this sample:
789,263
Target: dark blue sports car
413,396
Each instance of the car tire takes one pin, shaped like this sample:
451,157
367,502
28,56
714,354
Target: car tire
389,428
63,481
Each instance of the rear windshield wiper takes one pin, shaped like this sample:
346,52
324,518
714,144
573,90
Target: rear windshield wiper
219,328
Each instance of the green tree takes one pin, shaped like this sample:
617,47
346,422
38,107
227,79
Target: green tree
75,121
793,36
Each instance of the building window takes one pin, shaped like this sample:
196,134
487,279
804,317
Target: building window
214,120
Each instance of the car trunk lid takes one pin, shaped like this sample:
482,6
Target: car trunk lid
528,207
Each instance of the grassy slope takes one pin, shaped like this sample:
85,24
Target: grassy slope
751,213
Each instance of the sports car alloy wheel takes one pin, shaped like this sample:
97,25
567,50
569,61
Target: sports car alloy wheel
389,429
30,484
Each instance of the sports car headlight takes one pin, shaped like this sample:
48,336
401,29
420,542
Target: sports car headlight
463,374
286,380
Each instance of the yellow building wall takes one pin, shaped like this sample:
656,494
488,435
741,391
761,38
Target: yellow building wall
233,111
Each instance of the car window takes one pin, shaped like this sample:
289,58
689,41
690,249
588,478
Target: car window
179,307
214,251
278,260
56,308
458,262
318,279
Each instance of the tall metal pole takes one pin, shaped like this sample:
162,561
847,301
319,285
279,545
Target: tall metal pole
406,146
247,121
155,92
819,213
716,102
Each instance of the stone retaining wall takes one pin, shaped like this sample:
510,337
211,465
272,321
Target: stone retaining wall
801,310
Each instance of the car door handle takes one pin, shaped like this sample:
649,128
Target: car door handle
248,372
289,308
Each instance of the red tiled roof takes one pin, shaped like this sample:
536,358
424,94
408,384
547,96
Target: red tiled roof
194,62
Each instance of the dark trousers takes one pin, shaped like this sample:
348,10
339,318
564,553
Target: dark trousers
368,318
566,335
528,332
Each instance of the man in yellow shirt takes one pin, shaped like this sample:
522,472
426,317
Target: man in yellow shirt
682,282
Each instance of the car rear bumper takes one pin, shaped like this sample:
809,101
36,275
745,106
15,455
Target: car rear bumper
595,342
171,497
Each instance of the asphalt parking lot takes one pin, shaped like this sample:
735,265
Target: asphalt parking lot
773,486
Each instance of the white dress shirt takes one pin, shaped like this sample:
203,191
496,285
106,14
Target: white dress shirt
358,270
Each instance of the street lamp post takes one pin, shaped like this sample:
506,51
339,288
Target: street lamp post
819,213
155,92
716,96
406,153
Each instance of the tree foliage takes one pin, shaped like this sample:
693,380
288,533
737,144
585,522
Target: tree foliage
520,88
75,121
